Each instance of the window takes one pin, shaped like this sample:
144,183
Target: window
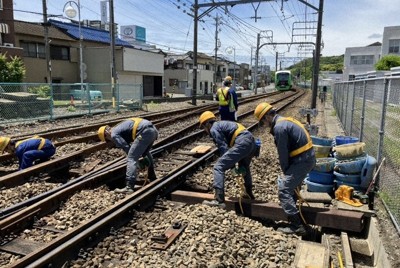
362,60
33,50
37,50
394,46
59,53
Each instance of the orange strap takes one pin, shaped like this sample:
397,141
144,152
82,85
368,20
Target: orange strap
303,148
239,130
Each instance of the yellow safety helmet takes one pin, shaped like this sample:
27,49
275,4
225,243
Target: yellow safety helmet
261,110
228,78
207,115
3,143
101,133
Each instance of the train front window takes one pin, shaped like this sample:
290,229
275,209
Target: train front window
283,76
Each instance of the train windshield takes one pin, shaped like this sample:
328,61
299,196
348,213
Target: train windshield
283,76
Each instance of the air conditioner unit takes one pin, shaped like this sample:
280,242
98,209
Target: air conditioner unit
8,45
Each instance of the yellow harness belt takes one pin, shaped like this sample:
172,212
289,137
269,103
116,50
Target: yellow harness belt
303,148
136,121
239,130
41,144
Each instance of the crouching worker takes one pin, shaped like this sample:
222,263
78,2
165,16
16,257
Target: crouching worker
296,158
136,137
28,151
236,145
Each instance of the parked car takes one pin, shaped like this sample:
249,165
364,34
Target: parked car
80,93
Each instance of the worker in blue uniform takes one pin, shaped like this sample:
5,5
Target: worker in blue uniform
28,151
136,137
296,158
236,145
227,100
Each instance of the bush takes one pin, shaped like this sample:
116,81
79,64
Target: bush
42,91
11,71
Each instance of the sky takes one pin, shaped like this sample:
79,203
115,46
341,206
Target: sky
169,25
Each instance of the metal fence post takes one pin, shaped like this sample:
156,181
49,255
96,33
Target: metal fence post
51,102
342,90
382,126
352,108
89,98
347,106
363,110
117,93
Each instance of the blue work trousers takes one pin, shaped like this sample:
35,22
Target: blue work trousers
241,152
44,154
287,184
140,147
226,114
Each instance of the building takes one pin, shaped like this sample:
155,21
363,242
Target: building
178,74
360,60
7,33
133,66
391,40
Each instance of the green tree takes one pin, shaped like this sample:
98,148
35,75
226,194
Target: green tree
12,71
387,62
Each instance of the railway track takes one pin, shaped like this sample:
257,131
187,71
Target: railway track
172,166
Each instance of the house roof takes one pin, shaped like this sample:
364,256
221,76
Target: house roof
88,34
376,44
36,29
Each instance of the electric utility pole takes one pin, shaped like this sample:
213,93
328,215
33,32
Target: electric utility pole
216,51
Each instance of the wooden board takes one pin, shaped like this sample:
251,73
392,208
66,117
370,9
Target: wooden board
324,217
310,254
316,197
201,149
348,260
363,208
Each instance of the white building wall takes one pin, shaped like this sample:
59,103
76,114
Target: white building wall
150,63
389,33
352,69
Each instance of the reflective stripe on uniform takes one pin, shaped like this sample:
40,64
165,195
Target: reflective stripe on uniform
303,148
136,123
41,144
223,96
239,130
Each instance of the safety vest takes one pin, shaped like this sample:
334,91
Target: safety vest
41,144
303,148
239,130
223,96
136,123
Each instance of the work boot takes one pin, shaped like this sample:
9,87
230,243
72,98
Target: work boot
128,189
219,200
296,226
151,174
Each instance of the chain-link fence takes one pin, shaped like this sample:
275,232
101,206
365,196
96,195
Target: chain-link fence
27,101
370,110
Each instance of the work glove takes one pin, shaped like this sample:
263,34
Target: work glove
143,163
241,171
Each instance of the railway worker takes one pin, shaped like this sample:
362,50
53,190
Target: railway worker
227,100
28,151
296,158
236,145
136,137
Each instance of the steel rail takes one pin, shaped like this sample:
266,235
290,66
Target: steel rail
18,178
67,246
